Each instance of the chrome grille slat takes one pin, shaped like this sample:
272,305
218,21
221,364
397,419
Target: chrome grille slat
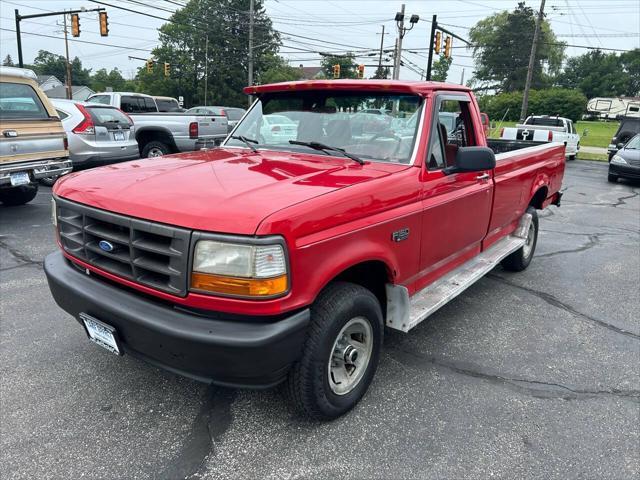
152,254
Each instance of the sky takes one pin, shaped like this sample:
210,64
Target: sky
329,26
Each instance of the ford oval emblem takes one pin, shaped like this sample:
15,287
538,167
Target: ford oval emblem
106,246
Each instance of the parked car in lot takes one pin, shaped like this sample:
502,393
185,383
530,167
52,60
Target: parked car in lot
33,145
254,264
168,104
545,128
625,162
233,114
628,128
161,133
97,133
278,129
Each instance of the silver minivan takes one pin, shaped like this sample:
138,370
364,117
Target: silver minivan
97,133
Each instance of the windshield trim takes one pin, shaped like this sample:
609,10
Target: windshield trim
412,158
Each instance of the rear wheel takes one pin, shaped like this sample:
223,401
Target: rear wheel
521,258
340,354
571,157
18,195
155,149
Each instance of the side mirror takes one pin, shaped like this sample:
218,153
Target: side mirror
620,146
472,159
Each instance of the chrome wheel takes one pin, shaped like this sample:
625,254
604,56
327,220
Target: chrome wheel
528,244
350,355
155,152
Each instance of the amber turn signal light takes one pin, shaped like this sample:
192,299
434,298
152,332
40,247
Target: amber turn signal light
245,287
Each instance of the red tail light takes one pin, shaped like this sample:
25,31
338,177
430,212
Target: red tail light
550,136
222,112
193,130
275,128
86,126
128,117
501,131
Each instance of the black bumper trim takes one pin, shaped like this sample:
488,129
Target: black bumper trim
230,353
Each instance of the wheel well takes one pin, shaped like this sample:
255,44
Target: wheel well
372,275
145,136
539,197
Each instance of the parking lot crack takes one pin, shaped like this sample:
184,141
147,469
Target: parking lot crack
19,256
535,388
554,301
211,422
593,240
622,200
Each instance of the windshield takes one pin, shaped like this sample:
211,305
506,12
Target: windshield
336,119
634,143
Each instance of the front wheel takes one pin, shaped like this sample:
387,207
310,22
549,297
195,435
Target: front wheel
155,149
340,354
521,258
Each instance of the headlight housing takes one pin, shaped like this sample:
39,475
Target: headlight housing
619,160
230,268
54,212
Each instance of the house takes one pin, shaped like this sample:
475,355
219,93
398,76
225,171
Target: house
47,82
79,92
310,73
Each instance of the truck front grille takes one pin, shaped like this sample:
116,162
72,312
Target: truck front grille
149,253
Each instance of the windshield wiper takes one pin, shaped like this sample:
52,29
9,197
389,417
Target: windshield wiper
247,141
322,146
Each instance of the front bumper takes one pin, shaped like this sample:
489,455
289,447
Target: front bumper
238,352
627,171
37,170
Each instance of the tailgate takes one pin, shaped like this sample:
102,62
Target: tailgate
212,126
28,140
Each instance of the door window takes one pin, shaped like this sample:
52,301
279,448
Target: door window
452,129
20,101
130,104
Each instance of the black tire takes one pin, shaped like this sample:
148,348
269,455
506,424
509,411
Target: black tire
308,384
521,258
571,158
49,181
151,148
14,196
612,178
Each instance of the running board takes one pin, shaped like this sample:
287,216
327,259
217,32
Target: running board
404,313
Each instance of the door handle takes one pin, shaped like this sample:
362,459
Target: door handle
484,176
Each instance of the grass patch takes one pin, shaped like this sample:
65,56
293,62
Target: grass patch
598,134
597,157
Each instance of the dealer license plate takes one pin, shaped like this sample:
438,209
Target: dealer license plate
19,178
101,333
118,136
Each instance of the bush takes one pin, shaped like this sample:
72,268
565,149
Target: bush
553,101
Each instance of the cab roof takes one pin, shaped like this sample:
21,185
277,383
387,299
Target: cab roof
18,72
396,86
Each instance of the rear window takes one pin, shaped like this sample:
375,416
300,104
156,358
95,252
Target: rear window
20,101
168,105
108,116
131,104
546,122
104,99
235,114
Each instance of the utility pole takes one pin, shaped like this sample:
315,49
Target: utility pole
398,56
434,26
206,66
17,15
251,13
532,59
381,48
66,47
462,77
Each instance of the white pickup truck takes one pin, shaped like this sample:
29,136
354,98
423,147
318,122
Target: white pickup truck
544,128
160,133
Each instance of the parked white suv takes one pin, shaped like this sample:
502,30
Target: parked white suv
545,128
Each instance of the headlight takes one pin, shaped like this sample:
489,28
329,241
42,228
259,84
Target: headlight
54,216
239,269
619,160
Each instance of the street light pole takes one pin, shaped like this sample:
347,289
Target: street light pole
17,15
381,48
532,59
66,47
434,26
251,13
398,56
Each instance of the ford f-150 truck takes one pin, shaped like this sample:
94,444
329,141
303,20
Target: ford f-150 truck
160,133
283,259
545,128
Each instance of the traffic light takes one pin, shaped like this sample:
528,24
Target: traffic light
104,24
167,69
75,24
360,71
447,46
336,71
438,44
150,65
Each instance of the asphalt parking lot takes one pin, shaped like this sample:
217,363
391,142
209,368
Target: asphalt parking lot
527,375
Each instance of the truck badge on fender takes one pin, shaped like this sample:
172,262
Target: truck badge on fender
400,235
105,246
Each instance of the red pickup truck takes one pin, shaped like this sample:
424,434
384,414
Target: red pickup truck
283,254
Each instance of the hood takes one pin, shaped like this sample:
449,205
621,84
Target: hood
219,190
630,154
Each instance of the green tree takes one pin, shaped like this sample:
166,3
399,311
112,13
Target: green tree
278,70
347,64
440,69
631,65
502,45
47,63
211,35
382,73
103,79
551,101
8,61
596,74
